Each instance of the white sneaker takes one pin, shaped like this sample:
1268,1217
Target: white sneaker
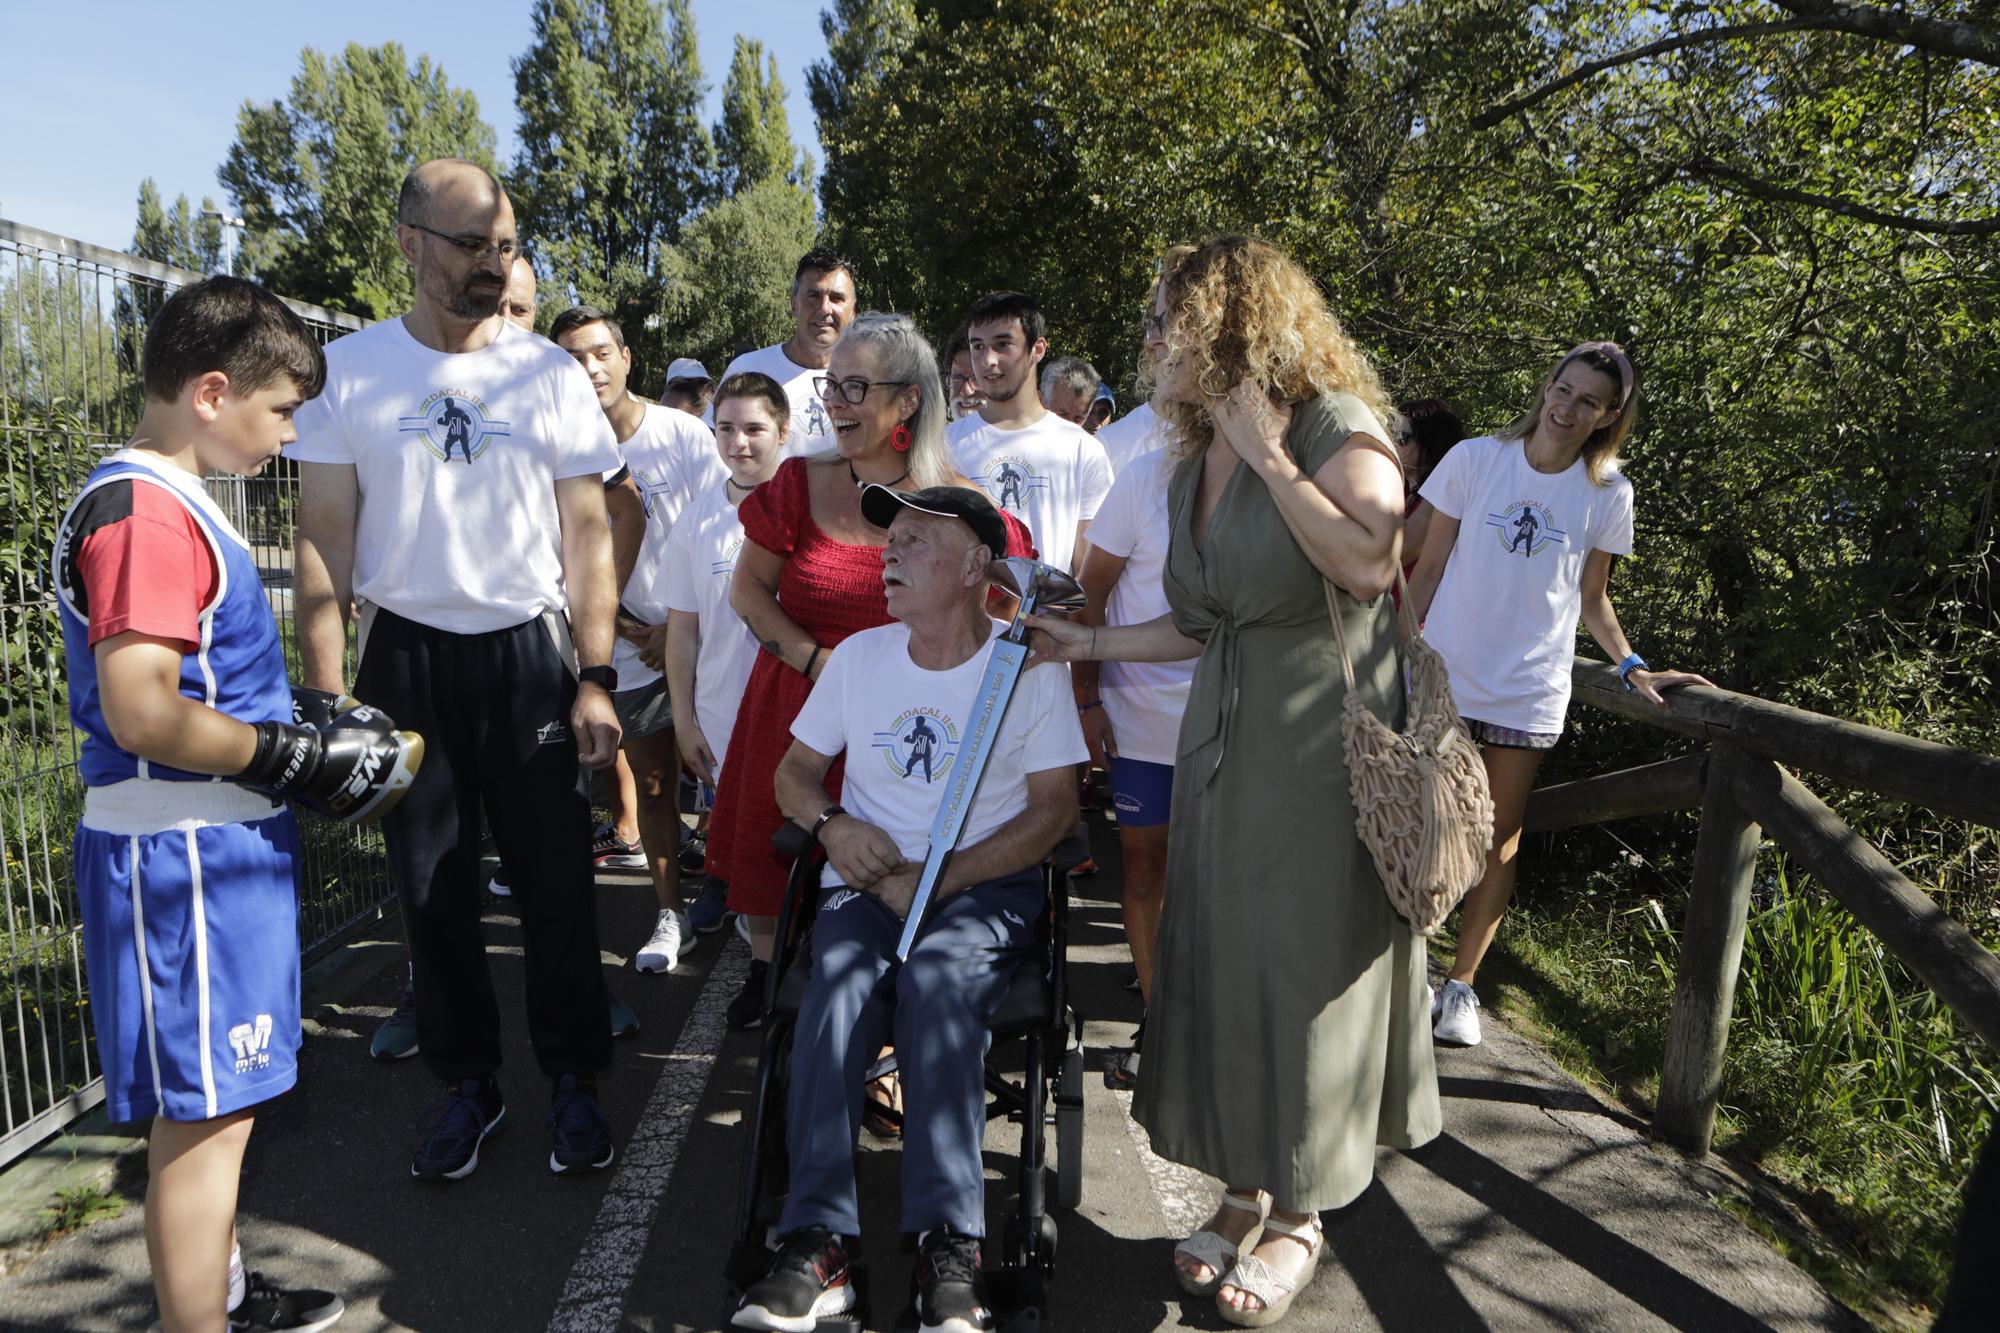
1458,1015
672,937
743,927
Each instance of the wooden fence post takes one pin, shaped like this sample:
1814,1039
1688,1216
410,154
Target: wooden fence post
1725,859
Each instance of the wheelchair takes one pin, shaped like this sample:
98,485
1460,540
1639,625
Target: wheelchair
1035,1011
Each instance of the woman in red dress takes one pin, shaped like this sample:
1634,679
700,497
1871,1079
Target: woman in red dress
809,575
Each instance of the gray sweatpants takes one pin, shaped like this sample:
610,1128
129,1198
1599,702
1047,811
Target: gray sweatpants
935,1004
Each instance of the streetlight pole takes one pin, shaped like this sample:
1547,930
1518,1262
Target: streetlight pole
232,229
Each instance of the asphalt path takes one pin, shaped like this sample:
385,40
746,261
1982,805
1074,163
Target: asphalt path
1537,1208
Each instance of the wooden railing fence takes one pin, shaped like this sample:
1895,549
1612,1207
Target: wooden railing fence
1741,786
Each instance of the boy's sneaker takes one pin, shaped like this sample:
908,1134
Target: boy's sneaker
470,1113
498,886
807,1281
608,851
1458,1015
710,907
672,937
396,1039
624,1018
746,1011
581,1134
265,1305
951,1293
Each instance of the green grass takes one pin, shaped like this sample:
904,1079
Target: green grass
1847,1082
77,1207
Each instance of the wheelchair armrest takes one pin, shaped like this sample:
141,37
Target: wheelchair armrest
794,842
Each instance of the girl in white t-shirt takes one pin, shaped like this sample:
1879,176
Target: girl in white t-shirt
708,649
1522,529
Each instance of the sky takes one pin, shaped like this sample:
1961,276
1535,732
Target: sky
95,95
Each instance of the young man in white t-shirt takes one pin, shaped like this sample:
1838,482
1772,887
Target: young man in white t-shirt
1045,471
898,702
709,650
823,305
671,458
451,482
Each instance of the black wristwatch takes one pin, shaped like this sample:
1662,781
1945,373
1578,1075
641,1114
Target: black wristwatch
824,816
600,675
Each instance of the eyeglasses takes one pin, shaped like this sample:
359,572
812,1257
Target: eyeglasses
959,382
851,391
1156,326
472,247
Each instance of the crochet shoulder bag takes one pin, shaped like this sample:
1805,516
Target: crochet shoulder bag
1421,801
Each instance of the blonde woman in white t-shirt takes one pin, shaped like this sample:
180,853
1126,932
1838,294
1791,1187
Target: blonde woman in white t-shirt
1523,526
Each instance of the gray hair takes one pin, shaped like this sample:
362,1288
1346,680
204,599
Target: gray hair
902,354
1071,371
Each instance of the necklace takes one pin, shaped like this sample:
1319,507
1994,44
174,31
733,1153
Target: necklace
858,483
737,486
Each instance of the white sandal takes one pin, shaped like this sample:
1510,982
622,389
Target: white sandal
1209,1248
1253,1277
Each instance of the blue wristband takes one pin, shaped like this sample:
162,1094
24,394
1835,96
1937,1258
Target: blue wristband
1633,662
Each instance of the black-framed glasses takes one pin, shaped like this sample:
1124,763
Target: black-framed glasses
472,247
1156,325
853,389
961,382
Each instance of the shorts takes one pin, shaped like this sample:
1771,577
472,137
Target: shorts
190,904
1141,792
645,710
1490,733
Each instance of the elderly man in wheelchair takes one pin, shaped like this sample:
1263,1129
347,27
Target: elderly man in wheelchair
898,702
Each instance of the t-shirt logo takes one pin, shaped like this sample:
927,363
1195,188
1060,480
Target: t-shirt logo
1011,482
651,488
1526,527
816,420
726,566
920,740
454,421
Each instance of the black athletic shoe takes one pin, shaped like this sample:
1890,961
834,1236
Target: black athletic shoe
747,1009
265,1305
470,1113
807,1281
951,1293
694,852
581,1133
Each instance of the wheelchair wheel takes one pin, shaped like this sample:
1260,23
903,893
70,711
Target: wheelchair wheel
1069,1131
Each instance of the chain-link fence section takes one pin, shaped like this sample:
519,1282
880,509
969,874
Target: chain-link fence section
72,320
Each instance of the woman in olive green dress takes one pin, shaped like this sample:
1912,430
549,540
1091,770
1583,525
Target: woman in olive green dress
1288,1031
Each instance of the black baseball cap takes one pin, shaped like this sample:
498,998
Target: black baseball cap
880,505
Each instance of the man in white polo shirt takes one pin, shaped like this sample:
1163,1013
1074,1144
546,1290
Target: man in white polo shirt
451,482
823,297
1045,471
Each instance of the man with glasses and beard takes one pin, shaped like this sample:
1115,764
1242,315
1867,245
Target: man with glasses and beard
484,586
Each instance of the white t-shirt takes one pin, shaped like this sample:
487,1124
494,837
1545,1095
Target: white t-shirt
1132,436
701,556
812,429
1145,699
457,457
901,727
1051,475
1506,610
673,459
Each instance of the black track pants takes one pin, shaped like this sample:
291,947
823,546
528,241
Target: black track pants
493,710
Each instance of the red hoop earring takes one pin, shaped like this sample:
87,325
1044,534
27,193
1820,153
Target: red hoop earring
900,438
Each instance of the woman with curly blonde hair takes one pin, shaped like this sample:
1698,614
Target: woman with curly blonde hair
1286,1035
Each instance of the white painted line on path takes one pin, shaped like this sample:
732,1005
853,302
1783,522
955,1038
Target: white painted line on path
593,1298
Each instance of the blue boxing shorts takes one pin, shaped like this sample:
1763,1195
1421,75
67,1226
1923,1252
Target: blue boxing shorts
1142,792
189,893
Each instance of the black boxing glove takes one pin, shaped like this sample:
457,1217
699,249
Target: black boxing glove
353,767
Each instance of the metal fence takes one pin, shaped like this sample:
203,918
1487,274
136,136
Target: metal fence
72,320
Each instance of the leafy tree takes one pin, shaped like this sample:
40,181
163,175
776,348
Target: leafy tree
614,159
178,236
753,140
315,175
730,277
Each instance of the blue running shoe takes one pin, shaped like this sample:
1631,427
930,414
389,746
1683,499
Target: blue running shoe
581,1134
711,906
396,1039
470,1113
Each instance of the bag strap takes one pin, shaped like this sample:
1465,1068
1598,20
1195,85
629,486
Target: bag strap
1406,621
